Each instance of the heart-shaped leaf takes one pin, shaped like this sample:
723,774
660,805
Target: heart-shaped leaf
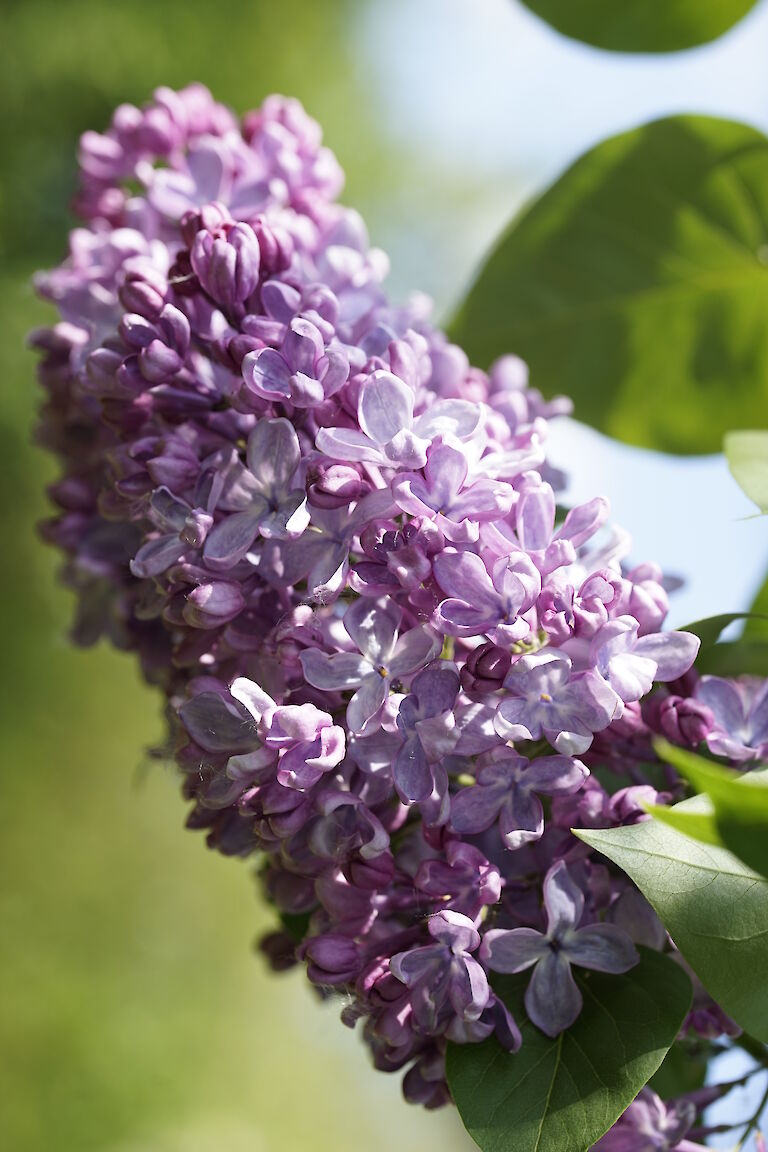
641,25
638,285
714,907
561,1095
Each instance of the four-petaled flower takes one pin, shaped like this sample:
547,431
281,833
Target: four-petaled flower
373,626
506,791
266,503
389,434
546,699
444,978
305,371
740,712
552,999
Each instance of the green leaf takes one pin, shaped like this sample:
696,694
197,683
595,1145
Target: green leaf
742,657
738,804
637,285
684,1069
747,655
641,25
561,1095
713,906
757,624
747,456
694,817
710,629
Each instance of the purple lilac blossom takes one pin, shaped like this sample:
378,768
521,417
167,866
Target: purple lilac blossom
553,1000
334,546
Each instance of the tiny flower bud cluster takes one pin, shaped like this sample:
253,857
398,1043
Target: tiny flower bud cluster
392,663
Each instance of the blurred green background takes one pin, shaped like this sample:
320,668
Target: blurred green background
135,1017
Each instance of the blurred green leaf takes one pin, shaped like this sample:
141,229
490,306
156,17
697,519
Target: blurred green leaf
562,1094
757,624
714,907
637,284
694,817
747,456
742,657
747,655
738,805
683,1070
642,25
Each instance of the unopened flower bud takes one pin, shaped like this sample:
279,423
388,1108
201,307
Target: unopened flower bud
227,266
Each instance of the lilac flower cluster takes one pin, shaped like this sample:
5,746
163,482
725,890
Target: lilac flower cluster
393,666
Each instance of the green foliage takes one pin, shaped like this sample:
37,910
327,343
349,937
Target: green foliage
747,655
747,455
561,1095
642,25
694,817
637,284
713,906
739,804
683,1069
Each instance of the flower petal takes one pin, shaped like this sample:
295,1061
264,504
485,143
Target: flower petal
512,950
385,407
563,899
603,947
552,999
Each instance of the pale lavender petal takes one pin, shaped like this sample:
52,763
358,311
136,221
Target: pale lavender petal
446,471
413,650
366,701
724,701
603,947
455,930
464,576
230,539
563,900
267,373
535,518
468,990
372,625
521,819
582,522
449,417
339,671
416,964
552,999
673,652
273,455
513,722
348,444
385,407
514,950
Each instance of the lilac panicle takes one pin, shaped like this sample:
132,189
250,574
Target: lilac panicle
335,547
